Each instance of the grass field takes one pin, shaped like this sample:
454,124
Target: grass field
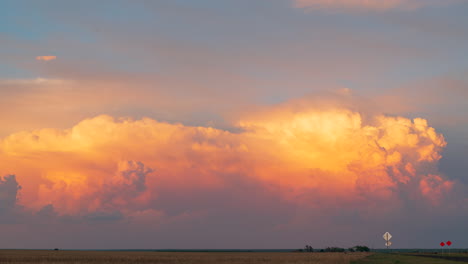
381,258
124,257
82,257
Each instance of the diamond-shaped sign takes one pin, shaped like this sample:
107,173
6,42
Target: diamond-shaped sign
387,236
449,243
442,244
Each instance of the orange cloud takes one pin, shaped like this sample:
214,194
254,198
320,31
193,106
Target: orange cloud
315,157
46,58
372,5
433,187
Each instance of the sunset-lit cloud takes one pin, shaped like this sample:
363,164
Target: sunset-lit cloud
370,5
46,58
303,156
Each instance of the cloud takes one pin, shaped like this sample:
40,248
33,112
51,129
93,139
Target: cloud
285,167
9,189
124,188
433,186
317,157
364,5
46,58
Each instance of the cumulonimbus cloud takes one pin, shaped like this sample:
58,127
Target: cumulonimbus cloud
316,157
371,5
46,58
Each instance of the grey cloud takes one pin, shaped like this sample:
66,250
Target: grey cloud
9,189
104,216
135,176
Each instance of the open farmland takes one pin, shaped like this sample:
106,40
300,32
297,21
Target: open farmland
82,257
382,258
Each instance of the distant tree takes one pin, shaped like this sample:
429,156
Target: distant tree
309,248
351,249
334,249
362,248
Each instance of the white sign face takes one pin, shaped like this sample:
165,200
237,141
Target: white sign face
388,243
387,236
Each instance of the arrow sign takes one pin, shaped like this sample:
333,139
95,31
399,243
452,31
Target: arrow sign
449,243
387,236
388,243
442,244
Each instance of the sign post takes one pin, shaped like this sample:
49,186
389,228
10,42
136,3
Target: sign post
387,238
442,244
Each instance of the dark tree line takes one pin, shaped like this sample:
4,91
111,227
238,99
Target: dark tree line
358,248
334,249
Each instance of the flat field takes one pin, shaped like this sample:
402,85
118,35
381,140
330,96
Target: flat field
121,257
381,258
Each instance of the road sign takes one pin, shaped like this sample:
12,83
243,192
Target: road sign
388,243
449,243
387,236
442,244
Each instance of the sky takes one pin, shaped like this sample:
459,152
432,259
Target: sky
254,124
